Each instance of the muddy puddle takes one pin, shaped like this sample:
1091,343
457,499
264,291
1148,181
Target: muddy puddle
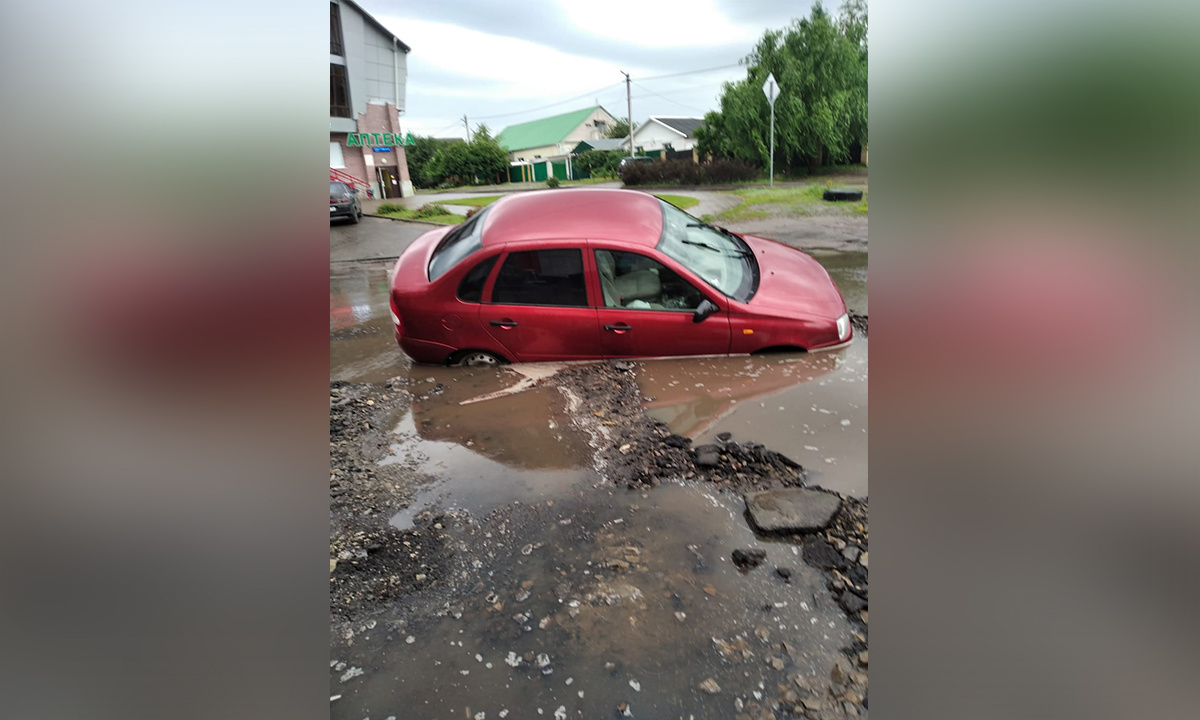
594,600
488,438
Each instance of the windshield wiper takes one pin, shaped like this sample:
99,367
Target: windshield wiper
704,245
729,233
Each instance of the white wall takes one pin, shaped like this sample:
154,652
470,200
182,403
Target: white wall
587,130
651,135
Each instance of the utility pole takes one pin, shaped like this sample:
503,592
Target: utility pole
467,128
629,108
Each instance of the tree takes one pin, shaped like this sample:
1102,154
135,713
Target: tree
489,161
598,162
619,130
821,112
419,156
462,163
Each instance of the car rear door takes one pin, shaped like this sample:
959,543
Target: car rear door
646,308
539,306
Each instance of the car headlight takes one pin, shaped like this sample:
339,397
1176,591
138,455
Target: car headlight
843,326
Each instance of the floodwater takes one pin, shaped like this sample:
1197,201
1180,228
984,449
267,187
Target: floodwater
628,596
811,407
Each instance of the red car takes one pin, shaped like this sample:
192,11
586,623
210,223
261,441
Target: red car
595,273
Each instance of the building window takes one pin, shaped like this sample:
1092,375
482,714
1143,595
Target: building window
339,92
335,31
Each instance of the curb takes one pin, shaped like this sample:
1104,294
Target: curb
404,220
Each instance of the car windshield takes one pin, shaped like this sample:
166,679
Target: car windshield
458,243
716,256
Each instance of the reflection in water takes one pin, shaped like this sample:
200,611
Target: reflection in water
690,395
468,480
810,407
527,429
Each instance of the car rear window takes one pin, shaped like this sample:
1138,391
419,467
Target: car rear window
471,287
542,277
337,188
458,244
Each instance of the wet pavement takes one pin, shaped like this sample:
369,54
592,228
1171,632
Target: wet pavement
617,598
372,238
578,596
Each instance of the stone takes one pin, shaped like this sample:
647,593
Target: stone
851,553
724,437
821,555
862,559
862,658
707,455
785,573
777,663
796,510
851,602
710,686
748,559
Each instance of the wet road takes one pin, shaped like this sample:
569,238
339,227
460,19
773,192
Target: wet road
372,238
586,596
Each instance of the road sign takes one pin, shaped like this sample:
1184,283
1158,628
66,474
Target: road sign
771,89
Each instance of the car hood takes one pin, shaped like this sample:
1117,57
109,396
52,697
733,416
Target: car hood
792,283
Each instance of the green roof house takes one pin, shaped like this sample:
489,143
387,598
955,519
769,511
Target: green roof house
556,136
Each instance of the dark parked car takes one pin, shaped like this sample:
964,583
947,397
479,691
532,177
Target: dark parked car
343,202
597,273
629,160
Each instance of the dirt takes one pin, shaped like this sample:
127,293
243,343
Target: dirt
406,577
859,322
371,563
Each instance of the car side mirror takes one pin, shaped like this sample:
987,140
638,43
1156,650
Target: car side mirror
707,307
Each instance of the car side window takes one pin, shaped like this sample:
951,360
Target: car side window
542,277
471,288
635,282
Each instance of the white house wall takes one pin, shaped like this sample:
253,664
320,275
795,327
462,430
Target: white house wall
653,136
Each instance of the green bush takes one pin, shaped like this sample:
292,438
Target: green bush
552,182
429,210
386,208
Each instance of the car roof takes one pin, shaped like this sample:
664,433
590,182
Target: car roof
574,214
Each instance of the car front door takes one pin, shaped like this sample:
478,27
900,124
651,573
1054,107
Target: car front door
539,308
647,309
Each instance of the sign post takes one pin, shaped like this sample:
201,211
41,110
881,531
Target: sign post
771,90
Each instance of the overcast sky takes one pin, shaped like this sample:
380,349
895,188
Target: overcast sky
503,62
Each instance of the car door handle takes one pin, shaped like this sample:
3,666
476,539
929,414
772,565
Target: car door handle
618,328
505,323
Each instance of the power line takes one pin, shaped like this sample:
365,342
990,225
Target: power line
545,107
606,88
690,72
678,90
689,107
